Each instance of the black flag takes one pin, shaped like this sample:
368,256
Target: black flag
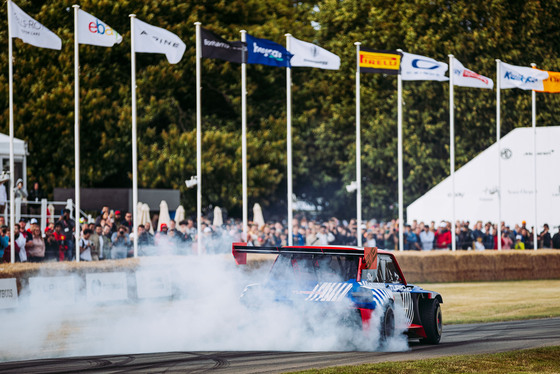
215,47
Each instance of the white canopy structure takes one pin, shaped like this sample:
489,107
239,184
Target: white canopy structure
20,157
476,184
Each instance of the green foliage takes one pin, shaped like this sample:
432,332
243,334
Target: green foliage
476,32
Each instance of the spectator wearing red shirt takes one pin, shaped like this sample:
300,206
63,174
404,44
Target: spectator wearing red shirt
443,237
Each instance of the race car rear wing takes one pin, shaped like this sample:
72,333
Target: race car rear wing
367,256
240,251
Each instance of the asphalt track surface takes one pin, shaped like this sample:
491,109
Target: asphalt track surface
457,340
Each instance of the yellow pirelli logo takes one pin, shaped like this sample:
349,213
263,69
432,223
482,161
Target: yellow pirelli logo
378,60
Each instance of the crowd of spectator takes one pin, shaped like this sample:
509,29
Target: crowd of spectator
111,236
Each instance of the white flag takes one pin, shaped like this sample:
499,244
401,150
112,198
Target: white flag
152,39
467,78
92,31
421,68
310,55
522,77
30,31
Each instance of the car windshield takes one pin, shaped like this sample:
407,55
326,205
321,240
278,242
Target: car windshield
314,268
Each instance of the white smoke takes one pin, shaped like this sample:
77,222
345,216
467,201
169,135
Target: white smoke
205,314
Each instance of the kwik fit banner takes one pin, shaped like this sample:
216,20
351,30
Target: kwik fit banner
95,32
215,47
522,77
383,62
422,68
266,52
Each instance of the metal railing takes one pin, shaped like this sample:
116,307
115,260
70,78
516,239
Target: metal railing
50,211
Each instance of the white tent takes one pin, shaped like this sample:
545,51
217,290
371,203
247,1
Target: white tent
476,184
20,156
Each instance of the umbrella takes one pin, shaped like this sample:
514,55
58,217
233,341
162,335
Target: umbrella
144,216
218,220
258,217
163,215
179,214
50,213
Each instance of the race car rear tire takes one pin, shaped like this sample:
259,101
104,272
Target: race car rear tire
387,328
430,314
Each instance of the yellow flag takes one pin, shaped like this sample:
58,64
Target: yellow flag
385,62
552,84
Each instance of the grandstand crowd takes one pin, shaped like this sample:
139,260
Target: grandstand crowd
111,236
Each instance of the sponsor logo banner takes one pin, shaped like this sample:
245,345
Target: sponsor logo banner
383,62
310,55
552,84
215,47
151,284
521,77
8,293
106,286
52,290
422,68
267,52
95,32
152,39
30,31
467,78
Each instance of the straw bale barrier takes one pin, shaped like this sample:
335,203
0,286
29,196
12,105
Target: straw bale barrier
433,266
468,266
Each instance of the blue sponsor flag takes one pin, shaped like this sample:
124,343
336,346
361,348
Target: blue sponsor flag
266,52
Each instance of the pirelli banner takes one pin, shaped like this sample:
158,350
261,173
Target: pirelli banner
382,62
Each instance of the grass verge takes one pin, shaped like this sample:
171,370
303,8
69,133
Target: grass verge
475,302
538,360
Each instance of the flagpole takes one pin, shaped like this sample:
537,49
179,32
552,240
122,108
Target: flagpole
400,158
358,150
198,141
289,143
244,135
534,123
77,228
134,136
11,94
498,121
452,150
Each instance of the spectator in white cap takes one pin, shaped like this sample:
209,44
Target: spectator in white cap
443,236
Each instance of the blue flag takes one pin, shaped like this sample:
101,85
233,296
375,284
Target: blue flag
266,52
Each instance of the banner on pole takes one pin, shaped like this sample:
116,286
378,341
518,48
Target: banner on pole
95,32
310,55
467,78
152,39
552,83
31,31
422,68
525,78
266,52
215,47
383,62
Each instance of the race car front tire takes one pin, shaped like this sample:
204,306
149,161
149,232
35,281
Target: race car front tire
430,314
